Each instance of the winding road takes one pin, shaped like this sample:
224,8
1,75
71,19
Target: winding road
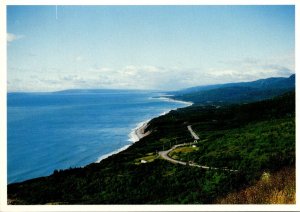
165,155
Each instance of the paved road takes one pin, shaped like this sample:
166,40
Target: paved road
164,155
194,135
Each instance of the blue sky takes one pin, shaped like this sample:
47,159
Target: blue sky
146,47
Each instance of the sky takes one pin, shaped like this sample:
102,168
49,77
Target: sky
53,48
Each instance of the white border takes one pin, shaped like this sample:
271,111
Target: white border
151,208
149,2
3,113
297,47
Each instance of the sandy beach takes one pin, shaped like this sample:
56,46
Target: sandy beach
168,98
139,132
135,135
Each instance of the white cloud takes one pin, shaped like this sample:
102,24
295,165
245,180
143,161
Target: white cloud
250,69
78,59
148,76
12,37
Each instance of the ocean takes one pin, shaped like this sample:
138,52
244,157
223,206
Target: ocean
59,130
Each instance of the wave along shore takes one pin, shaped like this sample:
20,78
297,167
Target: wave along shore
135,135
169,99
139,131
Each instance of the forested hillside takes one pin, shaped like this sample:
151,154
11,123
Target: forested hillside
237,92
251,138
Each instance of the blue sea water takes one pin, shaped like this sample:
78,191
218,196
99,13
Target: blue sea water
59,130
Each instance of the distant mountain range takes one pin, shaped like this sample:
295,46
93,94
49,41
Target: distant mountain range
241,92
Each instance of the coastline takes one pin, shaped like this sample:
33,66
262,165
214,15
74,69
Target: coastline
135,135
170,99
139,132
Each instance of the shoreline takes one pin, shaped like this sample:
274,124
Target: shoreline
138,132
170,99
134,136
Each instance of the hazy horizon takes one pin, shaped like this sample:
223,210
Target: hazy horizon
126,89
146,47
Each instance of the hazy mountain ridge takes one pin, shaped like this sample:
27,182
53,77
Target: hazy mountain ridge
237,92
260,83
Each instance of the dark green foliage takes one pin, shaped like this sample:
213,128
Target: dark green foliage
238,92
154,183
264,145
229,93
249,137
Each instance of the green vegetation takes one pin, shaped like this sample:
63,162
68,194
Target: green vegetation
253,138
251,148
182,153
237,92
221,96
149,158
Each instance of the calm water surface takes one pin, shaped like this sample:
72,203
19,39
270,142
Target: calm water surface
48,131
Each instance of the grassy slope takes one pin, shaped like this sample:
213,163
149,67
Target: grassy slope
272,188
240,136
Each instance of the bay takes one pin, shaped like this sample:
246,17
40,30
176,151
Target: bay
59,130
